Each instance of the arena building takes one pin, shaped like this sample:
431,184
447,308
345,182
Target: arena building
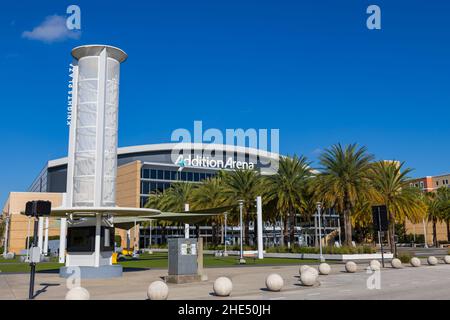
141,170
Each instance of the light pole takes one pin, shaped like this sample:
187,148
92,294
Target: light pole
319,207
225,254
241,205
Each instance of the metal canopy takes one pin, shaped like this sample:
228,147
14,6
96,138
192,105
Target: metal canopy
126,215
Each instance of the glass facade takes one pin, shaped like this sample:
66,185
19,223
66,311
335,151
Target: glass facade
154,178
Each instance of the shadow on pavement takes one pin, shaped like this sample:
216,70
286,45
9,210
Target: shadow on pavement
44,288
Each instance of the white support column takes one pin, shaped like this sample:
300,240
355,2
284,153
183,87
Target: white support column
41,234
100,139
62,240
46,236
186,225
260,227
5,249
98,226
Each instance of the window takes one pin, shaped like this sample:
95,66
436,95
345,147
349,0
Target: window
166,175
145,187
196,176
183,176
153,174
437,183
160,174
145,173
202,176
189,176
173,175
152,186
143,201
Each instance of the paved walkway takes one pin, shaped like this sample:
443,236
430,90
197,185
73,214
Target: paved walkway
426,282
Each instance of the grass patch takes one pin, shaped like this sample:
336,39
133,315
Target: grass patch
157,260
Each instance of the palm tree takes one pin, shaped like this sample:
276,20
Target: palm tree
444,206
209,194
438,209
156,200
243,185
392,188
287,186
344,179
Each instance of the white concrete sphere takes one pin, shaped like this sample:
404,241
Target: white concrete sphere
303,268
351,267
274,282
447,259
222,287
396,263
158,290
308,277
324,268
432,261
78,293
415,262
375,265
10,256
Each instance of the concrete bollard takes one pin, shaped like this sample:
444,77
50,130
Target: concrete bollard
222,287
303,268
351,267
324,268
274,282
308,277
375,265
447,259
158,290
432,261
78,293
396,263
415,262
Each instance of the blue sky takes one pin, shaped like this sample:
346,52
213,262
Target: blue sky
310,68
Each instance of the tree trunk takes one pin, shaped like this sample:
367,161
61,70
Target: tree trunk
246,219
163,234
292,229
282,232
391,233
348,228
274,234
448,229
286,231
435,242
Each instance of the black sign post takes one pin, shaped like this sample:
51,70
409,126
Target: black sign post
32,263
380,221
35,209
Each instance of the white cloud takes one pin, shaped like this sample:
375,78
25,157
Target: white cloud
52,29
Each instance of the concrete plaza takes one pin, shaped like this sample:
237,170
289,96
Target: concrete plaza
425,282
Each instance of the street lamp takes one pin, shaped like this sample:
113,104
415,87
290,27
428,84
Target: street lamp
225,254
319,207
241,258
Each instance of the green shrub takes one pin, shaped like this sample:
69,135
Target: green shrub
405,257
325,250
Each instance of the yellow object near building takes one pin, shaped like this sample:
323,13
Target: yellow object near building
126,252
114,257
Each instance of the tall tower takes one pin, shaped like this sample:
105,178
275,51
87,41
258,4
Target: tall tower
92,158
